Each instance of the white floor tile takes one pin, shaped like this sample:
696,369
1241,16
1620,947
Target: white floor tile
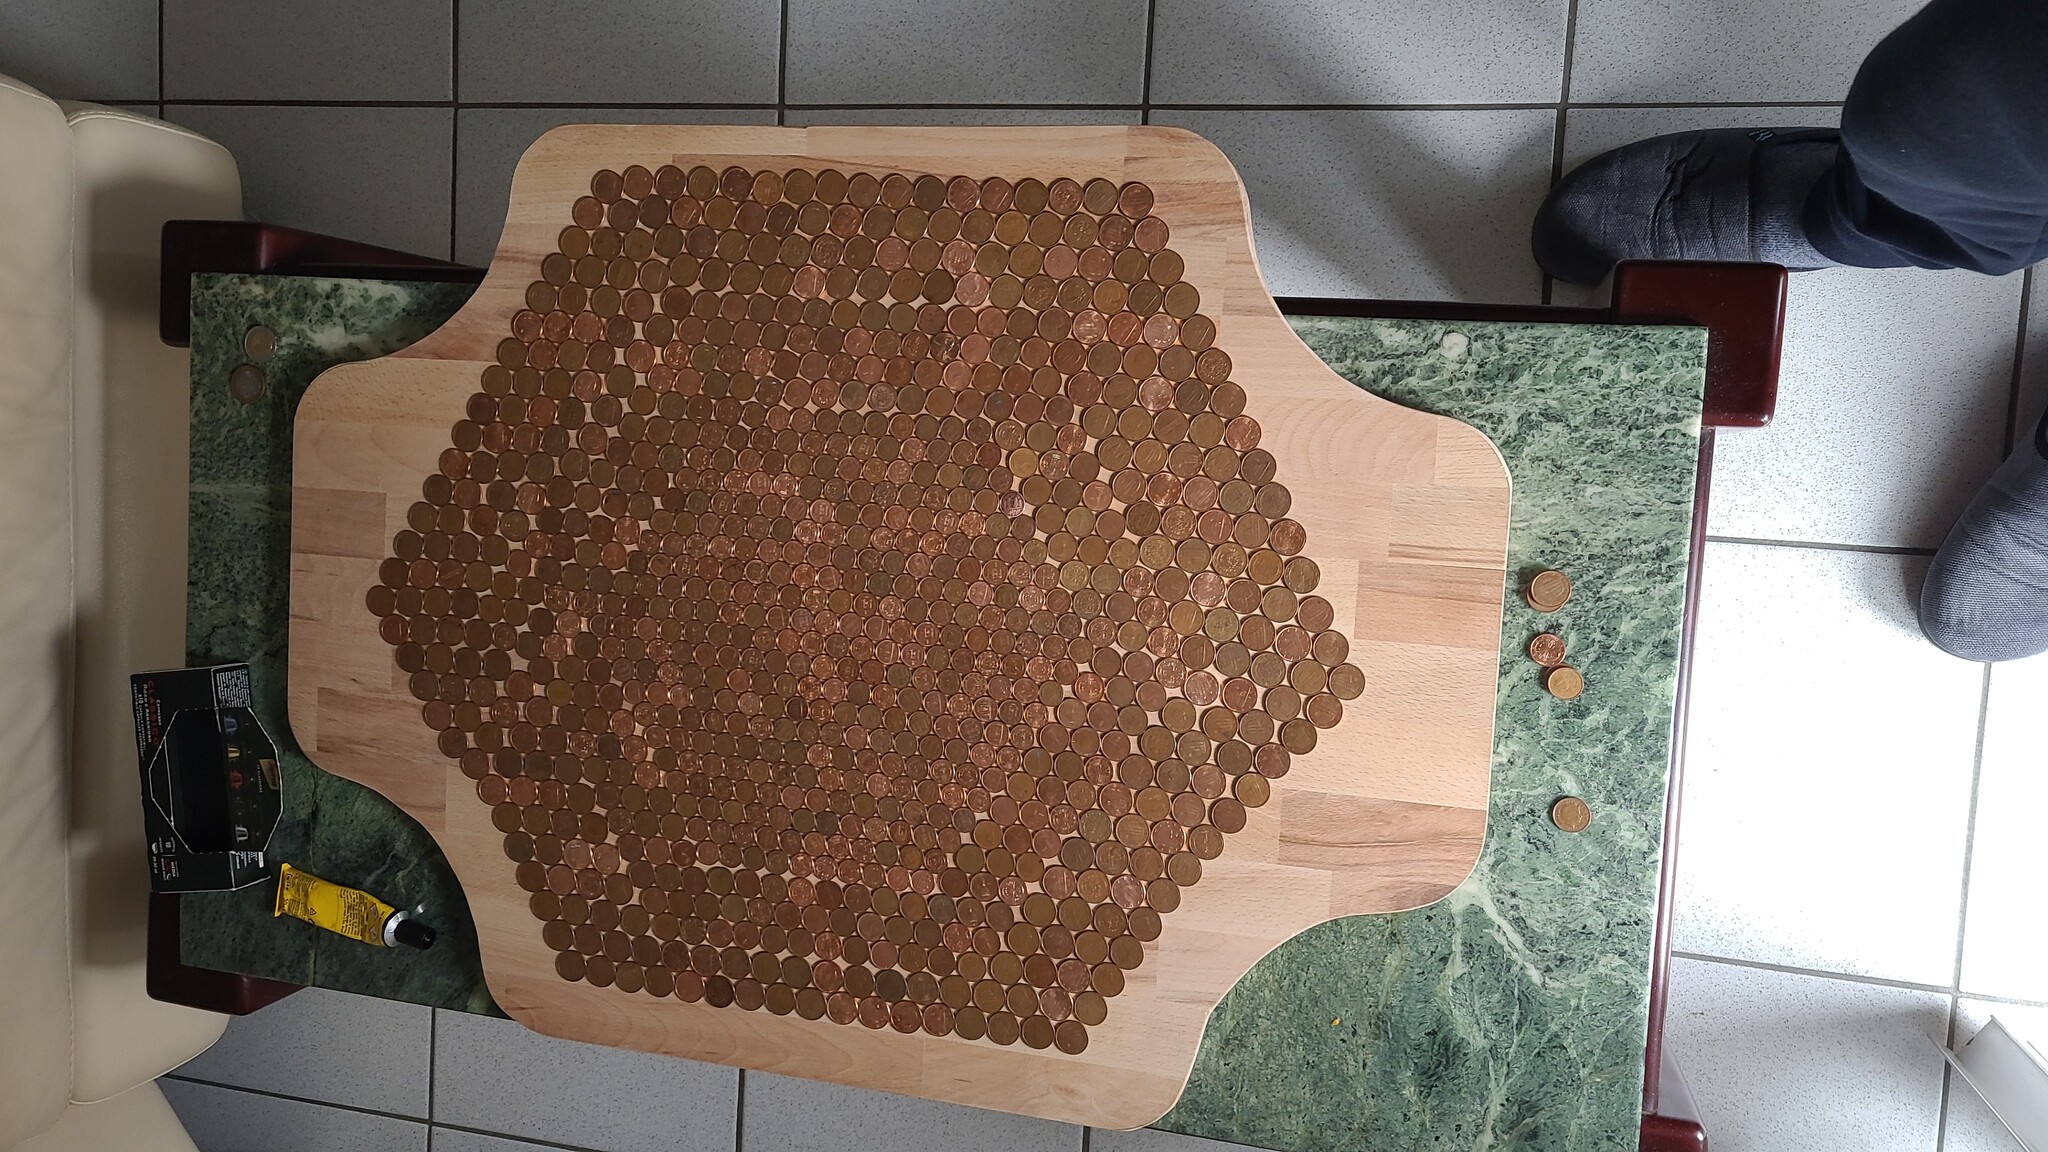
2005,945
1656,50
803,117
1357,52
489,142
258,50
378,175
1423,205
227,1120
497,1076
620,51
1972,1126
1018,52
82,49
783,1115
1828,768
1788,1063
328,1046
1893,389
1891,410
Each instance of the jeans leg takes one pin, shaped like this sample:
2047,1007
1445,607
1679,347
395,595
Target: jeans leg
1944,145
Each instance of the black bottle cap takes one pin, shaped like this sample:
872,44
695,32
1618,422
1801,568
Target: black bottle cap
413,933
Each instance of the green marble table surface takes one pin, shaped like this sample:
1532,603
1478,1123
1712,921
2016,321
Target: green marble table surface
1509,1015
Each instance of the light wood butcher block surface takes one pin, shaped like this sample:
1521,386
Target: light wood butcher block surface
1404,513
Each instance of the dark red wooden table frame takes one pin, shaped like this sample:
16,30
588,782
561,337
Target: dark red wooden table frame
1742,306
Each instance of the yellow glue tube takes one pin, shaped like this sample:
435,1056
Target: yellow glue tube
348,912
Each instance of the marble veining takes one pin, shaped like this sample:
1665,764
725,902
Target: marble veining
1509,1015
237,608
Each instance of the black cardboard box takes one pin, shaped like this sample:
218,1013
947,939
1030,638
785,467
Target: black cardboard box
210,781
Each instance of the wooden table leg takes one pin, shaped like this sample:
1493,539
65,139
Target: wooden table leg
173,981
1743,308
1674,1125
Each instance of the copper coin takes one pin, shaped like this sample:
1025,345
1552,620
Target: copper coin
1548,590
259,343
1323,709
246,383
1546,649
1070,1036
1564,682
1571,814
1346,682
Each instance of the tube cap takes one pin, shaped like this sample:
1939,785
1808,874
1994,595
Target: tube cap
412,933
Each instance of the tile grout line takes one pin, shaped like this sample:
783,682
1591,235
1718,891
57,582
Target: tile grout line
1991,998
1940,1124
1822,546
1947,1085
357,1108
433,1049
1820,973
782,68
739,1111
1142,106
2019,364
536,1141
1145,92
454,123
1564,101
1970,833
1963,898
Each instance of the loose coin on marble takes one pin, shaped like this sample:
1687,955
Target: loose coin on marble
1548,590
1571,814
258,343
1564,682
1546,649
245,383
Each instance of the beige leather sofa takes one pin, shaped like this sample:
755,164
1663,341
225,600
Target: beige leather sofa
92,587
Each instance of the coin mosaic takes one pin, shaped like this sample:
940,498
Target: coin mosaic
863,597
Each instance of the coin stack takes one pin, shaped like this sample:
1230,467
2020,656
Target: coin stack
1547,592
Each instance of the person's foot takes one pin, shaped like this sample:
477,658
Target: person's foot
1986,595
1725,194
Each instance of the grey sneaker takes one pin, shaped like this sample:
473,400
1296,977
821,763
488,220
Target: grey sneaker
1986,595
1723,194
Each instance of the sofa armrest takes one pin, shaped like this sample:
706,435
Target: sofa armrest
130,462
35,609
138,1120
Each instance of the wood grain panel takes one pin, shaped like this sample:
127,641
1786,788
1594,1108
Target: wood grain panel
1405,512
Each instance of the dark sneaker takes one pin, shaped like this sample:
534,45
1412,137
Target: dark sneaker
1724,194
1986,595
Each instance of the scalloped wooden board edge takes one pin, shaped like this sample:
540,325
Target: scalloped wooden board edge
1406,512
